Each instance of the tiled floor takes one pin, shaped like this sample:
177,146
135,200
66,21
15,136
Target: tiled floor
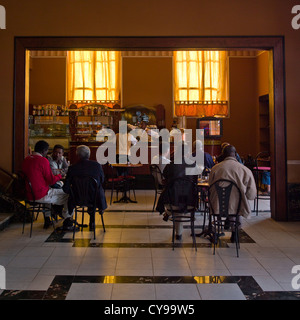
134,260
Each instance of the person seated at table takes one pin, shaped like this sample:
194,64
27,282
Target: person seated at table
174,134
160,207
58,163
231,169
123,149
208,160
221,157
149,131
37,169
266,182
161,160
171,172
85,166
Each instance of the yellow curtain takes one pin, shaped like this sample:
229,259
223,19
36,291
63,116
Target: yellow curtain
93,75
201,83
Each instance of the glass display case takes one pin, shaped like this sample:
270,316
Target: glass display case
52,132
49,130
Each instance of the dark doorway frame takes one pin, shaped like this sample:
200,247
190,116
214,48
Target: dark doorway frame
275,44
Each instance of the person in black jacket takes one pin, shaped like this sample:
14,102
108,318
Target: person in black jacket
179,192
84,166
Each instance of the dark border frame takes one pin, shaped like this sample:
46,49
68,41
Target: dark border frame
211,119
277,92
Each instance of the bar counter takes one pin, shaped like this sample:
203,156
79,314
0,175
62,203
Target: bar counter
94,145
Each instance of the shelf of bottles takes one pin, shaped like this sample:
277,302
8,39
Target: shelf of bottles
50,110
88,117
77,121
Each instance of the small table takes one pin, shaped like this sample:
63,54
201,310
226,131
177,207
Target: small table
202,186
125,198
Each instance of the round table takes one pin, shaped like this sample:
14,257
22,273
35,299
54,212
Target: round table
125,198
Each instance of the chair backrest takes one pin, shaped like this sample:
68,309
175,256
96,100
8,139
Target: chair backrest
262,159
25,186
182,193
83,190
157,175
224,198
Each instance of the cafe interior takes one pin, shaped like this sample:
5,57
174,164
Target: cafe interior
143,88
68,90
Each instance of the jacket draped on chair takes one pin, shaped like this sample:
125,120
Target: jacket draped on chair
232,170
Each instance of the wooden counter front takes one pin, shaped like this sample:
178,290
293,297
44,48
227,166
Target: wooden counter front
144,170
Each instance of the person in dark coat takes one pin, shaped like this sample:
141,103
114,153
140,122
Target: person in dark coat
178,192
84,166
208,160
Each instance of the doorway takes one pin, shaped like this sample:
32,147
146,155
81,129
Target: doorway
276,100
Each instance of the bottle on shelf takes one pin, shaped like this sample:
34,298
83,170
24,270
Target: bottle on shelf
34,110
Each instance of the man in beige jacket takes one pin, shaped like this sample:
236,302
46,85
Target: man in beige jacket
231,169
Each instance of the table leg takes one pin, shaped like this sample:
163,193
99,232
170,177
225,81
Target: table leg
125,198
206,231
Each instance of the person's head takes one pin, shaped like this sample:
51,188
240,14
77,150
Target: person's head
42,147
224,145
143,125
83,152
229,151
58,152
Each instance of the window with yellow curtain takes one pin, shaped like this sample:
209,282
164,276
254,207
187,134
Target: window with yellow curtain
94,75
200,83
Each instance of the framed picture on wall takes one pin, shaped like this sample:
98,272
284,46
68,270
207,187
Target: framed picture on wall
213,127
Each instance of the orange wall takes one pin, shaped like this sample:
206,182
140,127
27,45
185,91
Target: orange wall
150,18
262,73
240,128
148,81
47,81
